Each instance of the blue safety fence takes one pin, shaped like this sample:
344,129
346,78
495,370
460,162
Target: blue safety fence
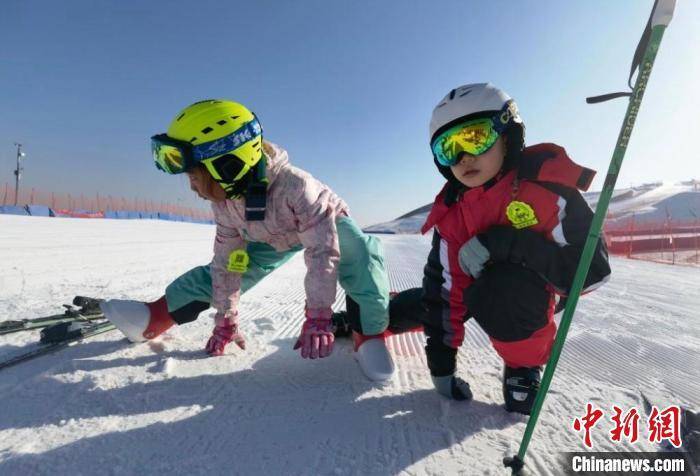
39,211
44,211
13,210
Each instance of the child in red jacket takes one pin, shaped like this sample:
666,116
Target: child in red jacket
509,228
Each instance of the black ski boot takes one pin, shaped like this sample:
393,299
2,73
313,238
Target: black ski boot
341,324
520,388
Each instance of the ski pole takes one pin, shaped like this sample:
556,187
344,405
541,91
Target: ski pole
658,21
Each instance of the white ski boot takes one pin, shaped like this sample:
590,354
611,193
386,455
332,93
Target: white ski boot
138,321
373,356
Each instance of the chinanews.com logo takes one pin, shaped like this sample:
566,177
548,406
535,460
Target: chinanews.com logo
625,428
626,463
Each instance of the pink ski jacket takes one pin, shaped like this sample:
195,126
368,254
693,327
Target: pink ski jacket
300,211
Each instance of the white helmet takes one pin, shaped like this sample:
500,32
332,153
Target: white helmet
470,99
475,101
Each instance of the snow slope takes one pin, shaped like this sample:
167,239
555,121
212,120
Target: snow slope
109,407
653,203
649,203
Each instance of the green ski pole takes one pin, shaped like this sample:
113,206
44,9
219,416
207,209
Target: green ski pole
660,18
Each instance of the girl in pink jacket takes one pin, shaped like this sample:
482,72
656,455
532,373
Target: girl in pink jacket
265,211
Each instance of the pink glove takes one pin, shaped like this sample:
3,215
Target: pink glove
226,331
316,338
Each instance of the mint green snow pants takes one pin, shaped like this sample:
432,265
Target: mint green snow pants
361,273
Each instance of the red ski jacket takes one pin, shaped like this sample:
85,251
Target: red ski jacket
546,220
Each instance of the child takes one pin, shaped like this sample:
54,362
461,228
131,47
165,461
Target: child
509,228
265,211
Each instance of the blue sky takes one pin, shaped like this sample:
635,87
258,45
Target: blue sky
347,87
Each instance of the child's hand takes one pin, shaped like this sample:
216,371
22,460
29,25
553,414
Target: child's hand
495,245
316,337
473,255
225,332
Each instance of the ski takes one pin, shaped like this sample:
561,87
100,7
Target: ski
88,310
60,336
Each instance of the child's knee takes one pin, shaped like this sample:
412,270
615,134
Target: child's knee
509,301
530,352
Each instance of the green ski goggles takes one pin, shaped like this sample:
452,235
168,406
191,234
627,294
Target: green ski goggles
472,137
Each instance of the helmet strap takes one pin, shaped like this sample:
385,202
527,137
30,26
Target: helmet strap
256,194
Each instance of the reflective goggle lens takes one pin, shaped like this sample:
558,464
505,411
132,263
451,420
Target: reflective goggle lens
168,158
473,137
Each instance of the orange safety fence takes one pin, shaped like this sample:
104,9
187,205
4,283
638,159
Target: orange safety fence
669,241
87,204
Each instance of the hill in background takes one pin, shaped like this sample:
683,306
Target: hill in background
647,204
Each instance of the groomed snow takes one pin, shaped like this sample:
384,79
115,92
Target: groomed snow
109,407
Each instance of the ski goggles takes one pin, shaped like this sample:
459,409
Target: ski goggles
473,137
175,156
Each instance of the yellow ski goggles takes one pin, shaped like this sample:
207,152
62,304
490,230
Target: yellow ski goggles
170,155
472,137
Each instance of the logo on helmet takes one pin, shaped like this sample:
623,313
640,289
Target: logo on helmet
510,112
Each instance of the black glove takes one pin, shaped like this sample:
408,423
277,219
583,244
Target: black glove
499,240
